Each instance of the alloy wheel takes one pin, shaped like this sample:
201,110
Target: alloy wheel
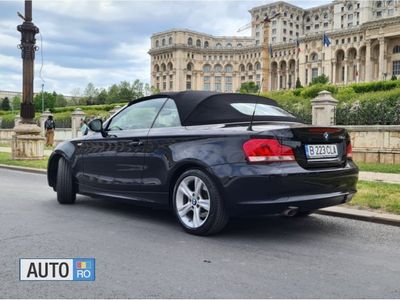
192,202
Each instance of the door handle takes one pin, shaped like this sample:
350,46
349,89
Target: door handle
135,143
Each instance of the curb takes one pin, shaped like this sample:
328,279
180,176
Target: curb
361,215
334,211
23,169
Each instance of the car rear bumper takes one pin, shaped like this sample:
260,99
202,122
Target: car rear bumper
273,188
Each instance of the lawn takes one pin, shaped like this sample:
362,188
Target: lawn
380,168
5,159
377,195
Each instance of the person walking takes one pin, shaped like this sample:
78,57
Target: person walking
49,126
84,127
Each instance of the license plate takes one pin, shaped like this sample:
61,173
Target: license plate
321,151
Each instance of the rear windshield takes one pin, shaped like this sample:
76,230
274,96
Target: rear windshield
260,110
235,108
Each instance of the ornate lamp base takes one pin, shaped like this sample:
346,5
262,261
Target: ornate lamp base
27,142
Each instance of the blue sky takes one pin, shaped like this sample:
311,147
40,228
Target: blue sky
105,42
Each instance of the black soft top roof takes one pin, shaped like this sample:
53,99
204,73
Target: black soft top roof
202,107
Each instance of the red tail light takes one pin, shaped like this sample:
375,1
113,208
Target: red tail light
267,150
349,150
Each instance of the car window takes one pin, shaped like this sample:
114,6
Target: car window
261,109
137,116
168,116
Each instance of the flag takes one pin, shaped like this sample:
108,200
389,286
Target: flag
326,41
270,50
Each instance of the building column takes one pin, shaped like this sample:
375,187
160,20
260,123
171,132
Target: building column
346,70
286,78
368,63
358,70
333,71
382,68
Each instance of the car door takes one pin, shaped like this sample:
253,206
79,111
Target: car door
113,164
165,132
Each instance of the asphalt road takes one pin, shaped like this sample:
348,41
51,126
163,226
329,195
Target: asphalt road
143,252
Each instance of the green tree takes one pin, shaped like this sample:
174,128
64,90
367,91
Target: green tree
154,90
298,83
5,104
90,93
125,92
102,97
320,79
49,100
16,102
60,101
249,87
138,89
113,94
394,77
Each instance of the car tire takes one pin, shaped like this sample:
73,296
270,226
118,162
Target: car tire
187,208
65,185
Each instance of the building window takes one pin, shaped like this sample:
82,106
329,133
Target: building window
228,68
314,56
206,83
206,45
326,24
190,41
228,84
274,31
188,82
206,68
164,85
218,68
157,43
314,73
229,46
218,46
379,14
163,42
239,45
171,85
198,43
170,41
396,49
218,85
396,67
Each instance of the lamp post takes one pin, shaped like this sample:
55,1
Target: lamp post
27,141
28,31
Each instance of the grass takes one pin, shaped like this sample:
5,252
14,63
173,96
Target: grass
5,144
5,159
380,168
377,195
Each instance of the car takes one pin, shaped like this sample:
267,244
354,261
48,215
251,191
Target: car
209,157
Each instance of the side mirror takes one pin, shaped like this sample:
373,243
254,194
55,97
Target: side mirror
96,125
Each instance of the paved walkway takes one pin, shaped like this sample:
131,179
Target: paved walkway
8,150
383,177
368,176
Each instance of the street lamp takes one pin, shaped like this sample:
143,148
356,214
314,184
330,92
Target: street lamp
27,142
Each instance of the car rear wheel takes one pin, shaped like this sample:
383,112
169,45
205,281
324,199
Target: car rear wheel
65,186
198,204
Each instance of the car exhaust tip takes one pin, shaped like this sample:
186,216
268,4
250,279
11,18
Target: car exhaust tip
290,211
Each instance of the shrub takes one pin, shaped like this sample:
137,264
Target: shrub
7,121
375,86
313,90
322,79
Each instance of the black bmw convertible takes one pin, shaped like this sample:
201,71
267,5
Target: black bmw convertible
208,157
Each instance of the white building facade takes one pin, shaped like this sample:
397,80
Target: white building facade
364,36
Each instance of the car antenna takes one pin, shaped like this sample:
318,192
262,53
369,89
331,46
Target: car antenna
250,128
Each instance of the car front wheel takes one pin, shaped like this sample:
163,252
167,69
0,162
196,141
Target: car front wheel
197,203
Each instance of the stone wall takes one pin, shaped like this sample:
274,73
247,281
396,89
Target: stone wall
375,144
61,134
